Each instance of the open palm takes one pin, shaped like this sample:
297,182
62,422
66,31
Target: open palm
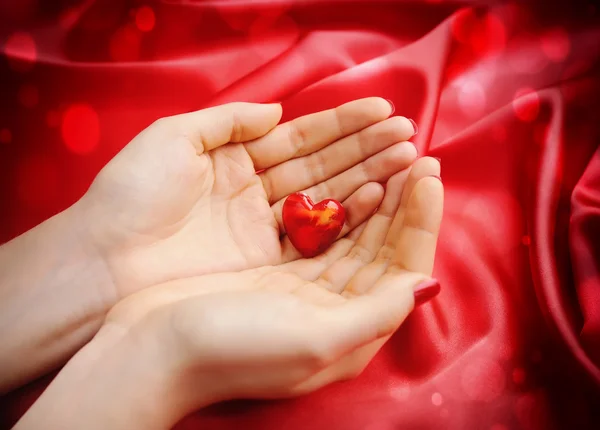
284,330
202,192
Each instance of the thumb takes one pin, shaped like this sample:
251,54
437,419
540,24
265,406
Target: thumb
233,122
378,313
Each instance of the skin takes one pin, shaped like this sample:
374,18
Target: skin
183,199
271,332
208,300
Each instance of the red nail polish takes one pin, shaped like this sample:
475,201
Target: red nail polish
426,291
414,124
392,105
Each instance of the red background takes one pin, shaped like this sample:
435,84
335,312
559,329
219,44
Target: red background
506,93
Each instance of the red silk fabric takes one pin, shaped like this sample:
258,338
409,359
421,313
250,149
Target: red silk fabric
505,93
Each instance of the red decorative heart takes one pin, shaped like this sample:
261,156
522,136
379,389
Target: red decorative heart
312,228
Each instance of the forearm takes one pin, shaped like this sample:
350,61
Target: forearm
54,294
117,381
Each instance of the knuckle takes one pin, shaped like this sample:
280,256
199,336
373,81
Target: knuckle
297,138
315,164
386,253
237,128
318,355
360,253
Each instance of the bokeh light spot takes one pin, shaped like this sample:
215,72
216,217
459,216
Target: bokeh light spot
483,380
526,55
489,35
37,181
518,375
471,98
485,34
436,399
401,393
462,24
81,128
28,95
125,44
145,18
556,44
21,51
5,135
526,104
531,412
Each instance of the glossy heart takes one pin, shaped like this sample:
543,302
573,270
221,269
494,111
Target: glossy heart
312,228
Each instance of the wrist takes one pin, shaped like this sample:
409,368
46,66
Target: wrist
112,384
57,293
130,372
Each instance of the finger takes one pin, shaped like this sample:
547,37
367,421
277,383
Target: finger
312,169
417,239
423,167
310,133
377,168
375,314
310,269
234,122
348,367
368,245
359,206
363,324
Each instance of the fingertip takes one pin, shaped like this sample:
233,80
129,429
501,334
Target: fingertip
391,103
367,198
426,204
425,166
380,108
415,126
412,150
276,109
403,153
425,291
372,191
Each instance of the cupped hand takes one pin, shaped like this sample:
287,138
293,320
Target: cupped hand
202,192
284,330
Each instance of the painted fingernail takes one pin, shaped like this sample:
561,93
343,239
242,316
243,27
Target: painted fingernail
392,105
426,291
438,177
415,127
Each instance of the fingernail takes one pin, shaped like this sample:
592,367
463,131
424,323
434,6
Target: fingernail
392,105
426,291
438,159
438,177
414,124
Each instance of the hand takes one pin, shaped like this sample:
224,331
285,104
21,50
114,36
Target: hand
270,332
181,200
